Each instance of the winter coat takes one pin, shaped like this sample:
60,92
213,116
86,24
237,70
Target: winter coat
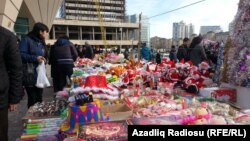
182,53
173,55
65,52
11,91
31,47
197,55
52,61
89,53
158,58
146,53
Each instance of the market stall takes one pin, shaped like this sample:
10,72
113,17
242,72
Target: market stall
109,93
106,96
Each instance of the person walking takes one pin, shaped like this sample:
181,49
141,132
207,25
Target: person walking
65,55
182,50
196,52
11,91
32,48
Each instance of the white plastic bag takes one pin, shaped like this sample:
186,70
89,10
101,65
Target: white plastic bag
42,80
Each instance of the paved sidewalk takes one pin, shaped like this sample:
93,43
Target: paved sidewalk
15,118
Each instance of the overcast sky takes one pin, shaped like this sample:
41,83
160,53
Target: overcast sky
209,12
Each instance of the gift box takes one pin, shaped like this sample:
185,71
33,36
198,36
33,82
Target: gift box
220,94
225,94
106,131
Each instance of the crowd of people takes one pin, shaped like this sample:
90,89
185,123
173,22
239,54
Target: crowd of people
191,50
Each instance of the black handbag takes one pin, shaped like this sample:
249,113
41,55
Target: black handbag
29,79
28,74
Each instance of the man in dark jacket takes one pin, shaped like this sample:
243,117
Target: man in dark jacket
11,91
65,54
89,52
182,51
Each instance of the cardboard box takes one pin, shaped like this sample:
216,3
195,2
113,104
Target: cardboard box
105,131
117,112
220,94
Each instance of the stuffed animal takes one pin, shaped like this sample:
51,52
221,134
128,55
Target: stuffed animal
204,69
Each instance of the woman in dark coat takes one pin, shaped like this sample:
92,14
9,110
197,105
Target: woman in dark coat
196,52
32,48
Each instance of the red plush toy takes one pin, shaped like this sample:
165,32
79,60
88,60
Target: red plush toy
203,67
173,73
193,83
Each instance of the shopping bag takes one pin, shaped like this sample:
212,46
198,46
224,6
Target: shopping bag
42,80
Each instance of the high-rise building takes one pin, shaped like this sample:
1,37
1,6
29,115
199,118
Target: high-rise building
205,29
145,26
99,22
189,30
110,10
182,30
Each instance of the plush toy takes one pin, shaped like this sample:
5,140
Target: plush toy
194,82
173,75
201,111
180,65
204,69
125,79
190,85
131,75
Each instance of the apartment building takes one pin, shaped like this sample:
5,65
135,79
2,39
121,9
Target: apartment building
99,23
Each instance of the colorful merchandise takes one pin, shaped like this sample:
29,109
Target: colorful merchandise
88,113
112,131
220,94
97,85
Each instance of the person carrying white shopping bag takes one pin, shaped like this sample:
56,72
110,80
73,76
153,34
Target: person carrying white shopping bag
42,80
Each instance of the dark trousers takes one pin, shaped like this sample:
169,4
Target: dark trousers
4,124
64,71
34,95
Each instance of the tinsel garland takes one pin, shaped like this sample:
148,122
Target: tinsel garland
220,57
224,68
238,69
